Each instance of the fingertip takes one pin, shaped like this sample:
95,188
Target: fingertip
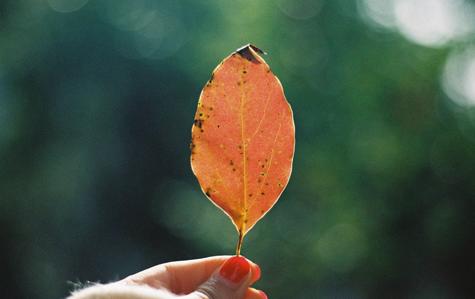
262,294
256,272
252,293
255,269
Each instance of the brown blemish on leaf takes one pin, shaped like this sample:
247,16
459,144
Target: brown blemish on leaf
198,123
208,192
246,53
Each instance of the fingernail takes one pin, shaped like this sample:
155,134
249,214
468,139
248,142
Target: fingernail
263,295
257,273
235,269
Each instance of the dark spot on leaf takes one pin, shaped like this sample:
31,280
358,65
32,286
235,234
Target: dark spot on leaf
245,221
244,72
210,108
267,184
259,180
262,174
234,169
202,130
198,123
262,211
208,192
218,126
231,162
239,83
250,194
246,53
192,145
262,193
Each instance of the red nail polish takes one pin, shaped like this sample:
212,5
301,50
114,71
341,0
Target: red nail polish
257,273
235,269
263,295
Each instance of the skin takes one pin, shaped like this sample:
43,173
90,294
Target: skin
185,279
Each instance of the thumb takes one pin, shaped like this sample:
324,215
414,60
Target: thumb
229,282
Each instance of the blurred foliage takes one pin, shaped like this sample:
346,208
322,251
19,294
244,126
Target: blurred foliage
96,104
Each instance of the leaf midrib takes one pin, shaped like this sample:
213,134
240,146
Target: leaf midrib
244,155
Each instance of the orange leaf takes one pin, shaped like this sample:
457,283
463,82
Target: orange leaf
243,139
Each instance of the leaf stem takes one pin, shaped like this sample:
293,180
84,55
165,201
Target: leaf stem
239,244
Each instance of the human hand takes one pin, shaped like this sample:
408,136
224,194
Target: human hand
219,277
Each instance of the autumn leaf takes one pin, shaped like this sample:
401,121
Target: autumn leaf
243,139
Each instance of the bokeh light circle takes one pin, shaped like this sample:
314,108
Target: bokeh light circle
301,10
66,6
458,79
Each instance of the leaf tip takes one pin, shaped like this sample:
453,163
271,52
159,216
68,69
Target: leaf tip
249,51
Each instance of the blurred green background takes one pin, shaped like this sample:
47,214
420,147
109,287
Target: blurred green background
96,104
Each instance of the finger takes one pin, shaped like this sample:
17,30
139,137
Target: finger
252,293
256,272
230,281
170,275
187,276
184,277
